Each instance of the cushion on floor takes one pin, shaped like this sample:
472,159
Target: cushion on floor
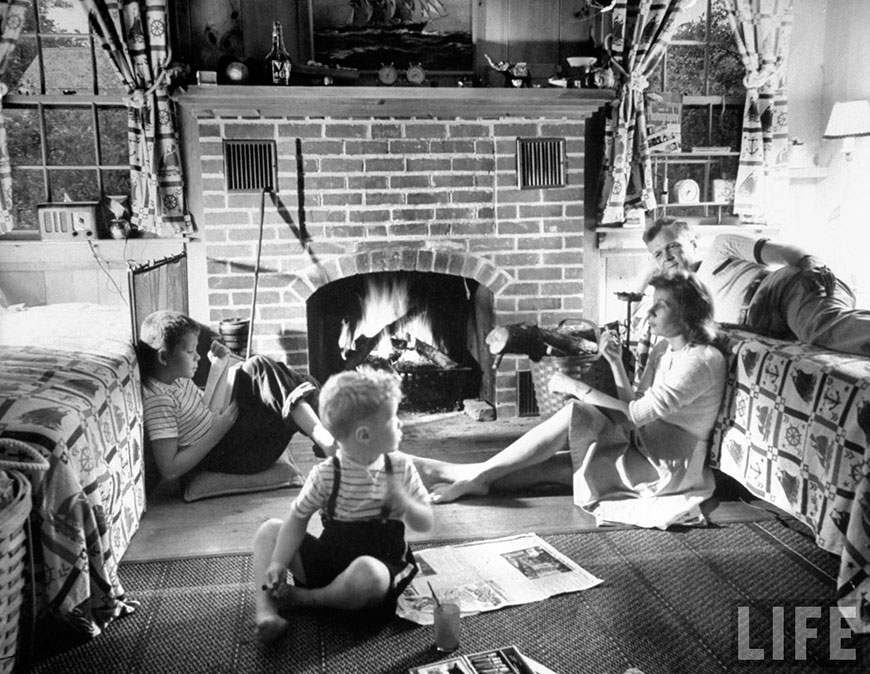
282,473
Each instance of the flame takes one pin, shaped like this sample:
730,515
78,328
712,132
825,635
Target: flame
385,301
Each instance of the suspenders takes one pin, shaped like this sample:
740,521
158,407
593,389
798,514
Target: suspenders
333,496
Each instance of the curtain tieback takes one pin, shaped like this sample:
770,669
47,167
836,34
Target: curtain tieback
139,96
757,79
638,82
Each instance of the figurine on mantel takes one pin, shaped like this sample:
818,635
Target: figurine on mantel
515,75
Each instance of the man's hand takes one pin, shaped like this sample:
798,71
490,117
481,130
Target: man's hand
821,276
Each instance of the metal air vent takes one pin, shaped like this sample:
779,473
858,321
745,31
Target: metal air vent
540,162
527,404
250,165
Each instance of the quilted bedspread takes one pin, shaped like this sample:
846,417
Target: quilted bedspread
69,386
795,430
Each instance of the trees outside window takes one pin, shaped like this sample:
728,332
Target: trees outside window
66,123
703,65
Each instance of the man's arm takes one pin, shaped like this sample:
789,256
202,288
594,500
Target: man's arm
782,253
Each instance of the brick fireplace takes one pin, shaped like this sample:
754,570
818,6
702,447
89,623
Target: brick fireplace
405,181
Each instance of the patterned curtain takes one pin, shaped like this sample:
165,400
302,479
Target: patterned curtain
12,13
762,29
642,30
134,34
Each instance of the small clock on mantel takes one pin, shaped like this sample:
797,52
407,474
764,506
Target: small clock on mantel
415,74
388,74
686,191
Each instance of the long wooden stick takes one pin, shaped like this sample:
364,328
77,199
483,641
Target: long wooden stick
257,271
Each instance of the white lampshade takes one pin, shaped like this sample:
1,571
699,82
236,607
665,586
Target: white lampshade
849,119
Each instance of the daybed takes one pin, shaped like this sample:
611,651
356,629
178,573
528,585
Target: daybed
70,387
794,429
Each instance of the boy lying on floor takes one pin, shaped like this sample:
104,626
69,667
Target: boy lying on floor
365,493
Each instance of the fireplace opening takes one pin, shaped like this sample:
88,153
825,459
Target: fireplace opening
428,327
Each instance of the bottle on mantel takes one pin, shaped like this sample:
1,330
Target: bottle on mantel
278,62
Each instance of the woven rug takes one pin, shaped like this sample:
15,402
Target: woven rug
669,603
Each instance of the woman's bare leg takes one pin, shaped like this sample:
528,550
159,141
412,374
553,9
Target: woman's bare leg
452,481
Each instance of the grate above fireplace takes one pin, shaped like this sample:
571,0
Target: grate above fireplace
250,165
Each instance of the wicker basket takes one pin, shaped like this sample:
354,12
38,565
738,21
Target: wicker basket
592,369
14,456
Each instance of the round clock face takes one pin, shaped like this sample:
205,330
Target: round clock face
388,74
415,74
686,191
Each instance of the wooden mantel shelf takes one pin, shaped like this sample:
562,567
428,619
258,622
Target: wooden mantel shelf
435,102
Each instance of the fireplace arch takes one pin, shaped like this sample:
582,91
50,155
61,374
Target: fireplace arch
458,290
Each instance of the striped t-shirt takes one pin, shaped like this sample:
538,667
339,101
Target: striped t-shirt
175,410
363,488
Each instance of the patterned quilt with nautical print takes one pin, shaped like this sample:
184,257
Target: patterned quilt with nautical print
70,387
795,430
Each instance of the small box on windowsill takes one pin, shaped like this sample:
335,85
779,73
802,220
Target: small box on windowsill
206,77
68,221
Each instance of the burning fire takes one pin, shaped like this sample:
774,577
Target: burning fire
384,303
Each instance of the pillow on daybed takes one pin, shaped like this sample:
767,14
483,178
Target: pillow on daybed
283,473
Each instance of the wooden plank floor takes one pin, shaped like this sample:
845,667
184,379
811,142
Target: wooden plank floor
171,528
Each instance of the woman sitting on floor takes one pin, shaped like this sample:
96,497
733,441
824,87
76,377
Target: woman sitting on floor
637,459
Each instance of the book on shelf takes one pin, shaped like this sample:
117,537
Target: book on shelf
221,375
506,660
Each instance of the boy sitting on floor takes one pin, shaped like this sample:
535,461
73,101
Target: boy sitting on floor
365,493
270,402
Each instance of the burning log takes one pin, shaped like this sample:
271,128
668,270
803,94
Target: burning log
437,356
535,342
363,345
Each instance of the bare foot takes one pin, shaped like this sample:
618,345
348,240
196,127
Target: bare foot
433,471
270,627
446,493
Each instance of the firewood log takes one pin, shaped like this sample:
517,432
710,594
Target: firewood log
437,356
363,345
536,342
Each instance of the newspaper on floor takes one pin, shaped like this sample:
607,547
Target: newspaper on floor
488,575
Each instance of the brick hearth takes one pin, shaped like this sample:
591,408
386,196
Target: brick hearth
390,180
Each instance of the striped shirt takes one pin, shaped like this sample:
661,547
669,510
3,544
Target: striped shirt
363,488
175,410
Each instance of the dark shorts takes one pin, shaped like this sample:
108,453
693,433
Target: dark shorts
324,558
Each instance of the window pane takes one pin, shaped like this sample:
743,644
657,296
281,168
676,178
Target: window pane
694,127
62,16
113,136
69,136
28,189
727,127
22,73
685,73
68,65
726,70
73,185
116,182
108,81
22,135
694,26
